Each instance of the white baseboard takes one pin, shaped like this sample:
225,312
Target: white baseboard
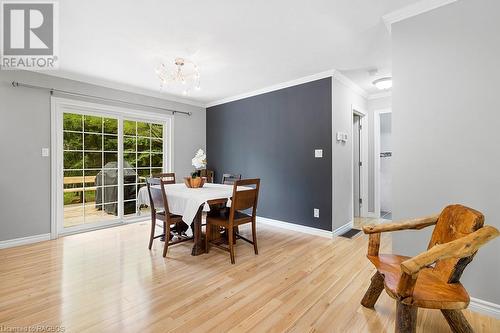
342,229
24,240
295,227
484,307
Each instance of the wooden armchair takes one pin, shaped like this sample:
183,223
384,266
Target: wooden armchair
431,279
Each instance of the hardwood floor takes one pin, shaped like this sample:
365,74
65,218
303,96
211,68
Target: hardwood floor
108,281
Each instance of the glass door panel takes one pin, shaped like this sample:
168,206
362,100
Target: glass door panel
90,162
142,158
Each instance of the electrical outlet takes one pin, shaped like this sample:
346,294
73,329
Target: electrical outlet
45,152
316,212
318,153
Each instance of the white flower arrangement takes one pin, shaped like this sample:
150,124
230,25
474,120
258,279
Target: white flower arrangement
199,161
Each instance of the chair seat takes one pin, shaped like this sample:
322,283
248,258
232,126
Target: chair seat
430,290
222,218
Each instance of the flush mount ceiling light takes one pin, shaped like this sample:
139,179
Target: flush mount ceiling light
181,76
383,83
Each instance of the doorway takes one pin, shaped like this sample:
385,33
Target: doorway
383,162
357,164
359,144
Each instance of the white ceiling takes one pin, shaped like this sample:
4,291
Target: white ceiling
239,46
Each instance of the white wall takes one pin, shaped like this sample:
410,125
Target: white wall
373,105
385,163
25,128
343,99
446,118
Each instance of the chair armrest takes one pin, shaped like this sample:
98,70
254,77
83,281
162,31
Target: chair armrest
418,224
459,248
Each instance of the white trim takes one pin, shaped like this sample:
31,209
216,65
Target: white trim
340,230
349,83
274,87
334,142
376,157
484,307
24,240
380,95
53,169
295,227
415,9
125,87
364,159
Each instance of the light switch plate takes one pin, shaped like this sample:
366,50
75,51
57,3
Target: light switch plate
45,152
316,212
318,153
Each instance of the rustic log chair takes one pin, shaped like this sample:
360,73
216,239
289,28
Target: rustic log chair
229,179
242,199
159,211
431,279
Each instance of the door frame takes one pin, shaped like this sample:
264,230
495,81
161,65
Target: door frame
83,107
376,157
363,140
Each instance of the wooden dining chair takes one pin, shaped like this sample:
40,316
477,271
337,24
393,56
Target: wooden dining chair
229,179
168,178
208,174
159,211
242,199
431,279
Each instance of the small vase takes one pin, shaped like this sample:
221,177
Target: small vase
194,182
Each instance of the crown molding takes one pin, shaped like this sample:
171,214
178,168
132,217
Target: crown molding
383,94
415,9
330,73
274,87
350,84
124,87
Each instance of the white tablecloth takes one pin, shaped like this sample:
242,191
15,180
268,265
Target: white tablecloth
186,201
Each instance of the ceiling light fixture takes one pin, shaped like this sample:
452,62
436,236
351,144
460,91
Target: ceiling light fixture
181,76
383,83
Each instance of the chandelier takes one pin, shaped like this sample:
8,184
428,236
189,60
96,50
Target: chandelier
181,76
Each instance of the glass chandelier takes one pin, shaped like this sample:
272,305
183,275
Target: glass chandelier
180,77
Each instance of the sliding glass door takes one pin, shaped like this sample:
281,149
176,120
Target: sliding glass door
105,157
142,157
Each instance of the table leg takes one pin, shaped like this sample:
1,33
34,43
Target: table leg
198,247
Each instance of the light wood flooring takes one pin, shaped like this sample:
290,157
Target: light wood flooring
108,281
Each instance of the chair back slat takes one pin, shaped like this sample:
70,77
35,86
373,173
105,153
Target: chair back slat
455,221
229,179
245,198
157,194
167,178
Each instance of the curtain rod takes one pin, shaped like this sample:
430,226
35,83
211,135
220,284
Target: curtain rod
19,84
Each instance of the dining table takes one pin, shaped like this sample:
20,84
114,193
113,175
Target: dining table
191,204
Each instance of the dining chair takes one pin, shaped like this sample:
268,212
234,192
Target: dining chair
168,178
242,199
208,174
229,179
431,279
159,211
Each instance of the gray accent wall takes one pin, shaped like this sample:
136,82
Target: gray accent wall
446,117
273,137
25,128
